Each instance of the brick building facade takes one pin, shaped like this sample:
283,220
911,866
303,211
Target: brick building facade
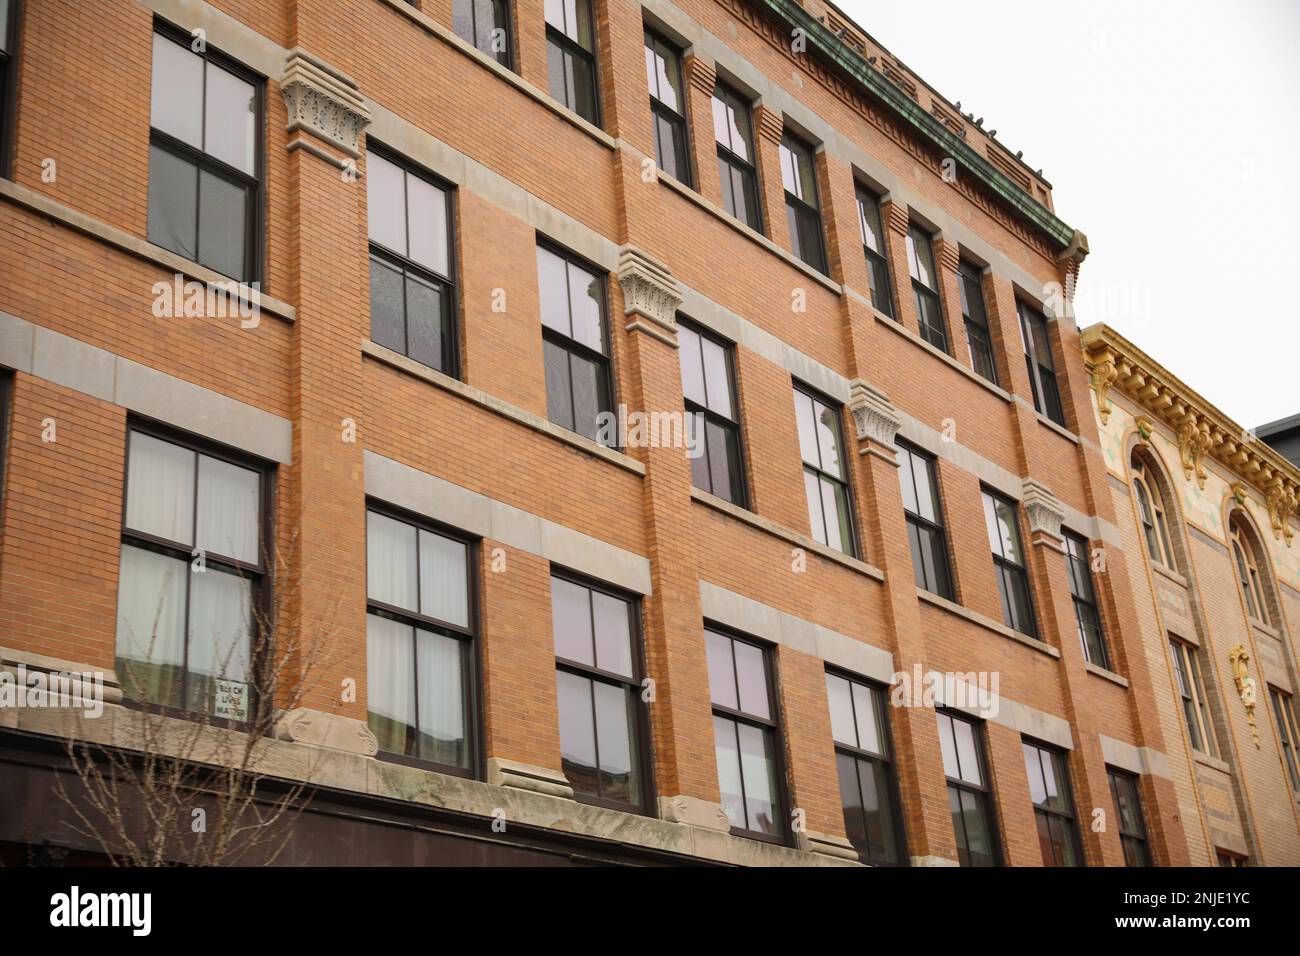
467,231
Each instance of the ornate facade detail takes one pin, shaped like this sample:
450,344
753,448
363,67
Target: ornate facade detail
1281,506
874,414
323,102
1192,440
694,812
1144,426
1239,659
305,726
650,293
1045,512
1238,491
1104,374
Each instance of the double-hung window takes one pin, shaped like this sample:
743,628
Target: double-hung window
1049,789
1084,595
969,798
410,263
485,25
571,57
1009,563
575,347
709,383
190,585
419,643
825,472
873,247
925,286
1191,692
924,514
976,319
867,786
1288,733
733,129
204,156
1128,811
745,735
603,729
663,68
1151,513
802,211
8,79
1039,362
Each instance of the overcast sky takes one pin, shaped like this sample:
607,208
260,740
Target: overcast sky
1170,131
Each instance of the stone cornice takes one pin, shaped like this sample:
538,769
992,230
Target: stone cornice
1117,365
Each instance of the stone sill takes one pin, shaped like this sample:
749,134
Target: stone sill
785,534
449,37
1265,629
944,357
516,414
1105,674
1169,573
1214,763
1049,424
987,623
43,205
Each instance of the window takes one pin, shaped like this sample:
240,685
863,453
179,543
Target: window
1128,811
1084,596
976,320
1009,563
485,25
8,78
802,213
663,67
825,473
968,791
1248,572
1049,789
867,786
571,56
1191,690
1229,859
419,643
1288,733
574,345
734,131
191,576
410,263
925,286
708,379
873,247
1038,360
1151,513
744,736
598,688
204,157
924,514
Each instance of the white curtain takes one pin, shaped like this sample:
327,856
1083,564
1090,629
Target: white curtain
444,587
150,624
160,489
390,561
220,614
229,498
441,696
390,697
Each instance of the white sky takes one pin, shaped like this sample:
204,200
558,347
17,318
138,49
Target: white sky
1170,130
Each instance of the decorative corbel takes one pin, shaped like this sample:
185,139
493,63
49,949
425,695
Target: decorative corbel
1104,374
1281,505
1191,446
324,102
1145,427
1045,512
1238,493
874,414
650,295
1239,658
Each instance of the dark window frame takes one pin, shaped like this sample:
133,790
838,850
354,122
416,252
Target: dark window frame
1190,687
935,336
1288,732
1067,818
982,793
572,346
1134,842
1008,570
1152,514
640,726
880,694
659,44
731,97
261,575
1085,598
979,340
1250,576
693,407
448,284
774,725
469,637
800,207
846,482
945,585
1046,402
10,59
879,272
255,219
507,56
570,47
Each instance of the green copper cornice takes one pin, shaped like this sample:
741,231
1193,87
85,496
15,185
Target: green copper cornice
924,125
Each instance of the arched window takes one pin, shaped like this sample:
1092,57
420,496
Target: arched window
1252,584
1151,512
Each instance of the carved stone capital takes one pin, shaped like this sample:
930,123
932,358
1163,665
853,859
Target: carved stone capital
332,731
522,776
874,414
324,102
1044,509
695,812
650,294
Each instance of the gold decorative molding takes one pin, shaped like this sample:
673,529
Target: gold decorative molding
1238,491
1144,427
1103,377
1191,447
1239,658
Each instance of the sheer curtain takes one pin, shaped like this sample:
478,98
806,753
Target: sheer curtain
151,625
390,686
228,509
160,489
441,697
220,616
390,561
444,589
